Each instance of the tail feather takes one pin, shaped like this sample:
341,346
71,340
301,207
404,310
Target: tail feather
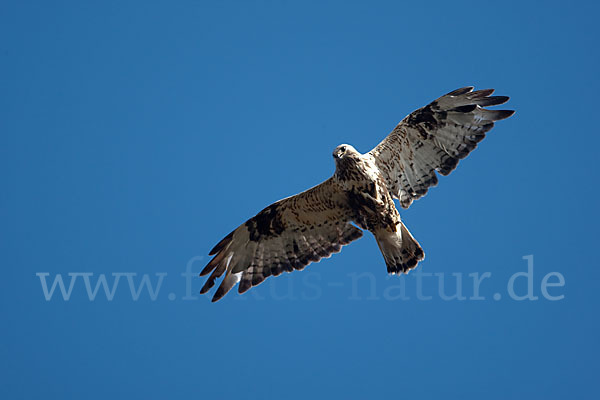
400,250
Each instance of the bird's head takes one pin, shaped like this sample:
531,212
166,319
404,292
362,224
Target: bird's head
346,158
343,151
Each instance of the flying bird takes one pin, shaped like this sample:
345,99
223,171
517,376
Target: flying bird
295,231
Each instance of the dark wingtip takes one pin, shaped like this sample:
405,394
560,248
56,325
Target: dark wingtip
460,91
465,109
448,166
503,114
209,267
218,295
214,263
207,286
244,286
481,93
494,100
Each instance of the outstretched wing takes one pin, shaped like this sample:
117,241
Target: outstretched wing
287,235
435,138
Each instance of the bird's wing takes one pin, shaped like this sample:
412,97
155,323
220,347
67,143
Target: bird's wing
285,236
435,138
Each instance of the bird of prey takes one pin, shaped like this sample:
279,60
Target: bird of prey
295,231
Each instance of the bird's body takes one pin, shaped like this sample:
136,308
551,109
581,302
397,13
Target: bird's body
368,195
358,177
304,228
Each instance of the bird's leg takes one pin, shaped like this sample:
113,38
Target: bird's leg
370,198
371,194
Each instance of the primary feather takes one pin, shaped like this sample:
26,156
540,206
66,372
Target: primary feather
434,138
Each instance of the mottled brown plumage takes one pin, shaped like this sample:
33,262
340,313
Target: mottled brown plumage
298,230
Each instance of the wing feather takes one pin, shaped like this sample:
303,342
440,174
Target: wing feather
286,236
433,139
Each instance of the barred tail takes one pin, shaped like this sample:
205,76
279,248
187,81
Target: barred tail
400,250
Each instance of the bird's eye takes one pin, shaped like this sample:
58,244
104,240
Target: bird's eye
343,149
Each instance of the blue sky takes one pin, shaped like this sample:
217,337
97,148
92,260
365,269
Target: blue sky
136,134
